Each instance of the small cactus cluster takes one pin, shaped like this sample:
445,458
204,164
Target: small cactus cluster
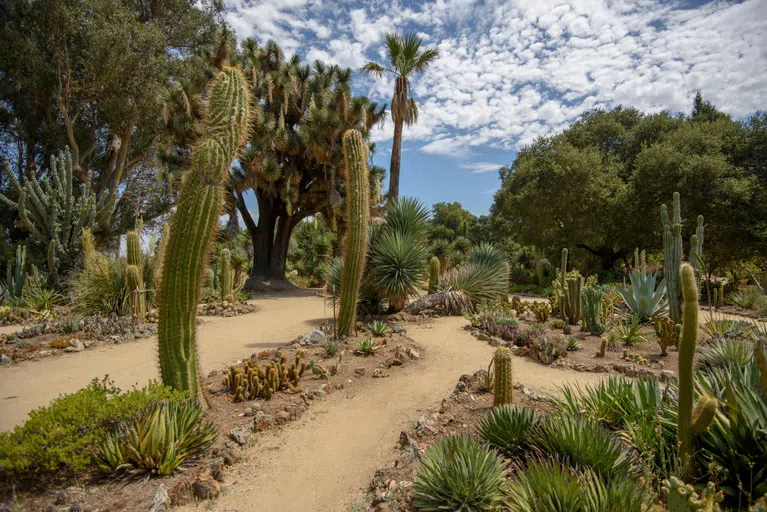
718,297
668,333
356,241
504,388
603,346
682,497
252,381
634,358
434,268
12,315
133,276
541,310
518,305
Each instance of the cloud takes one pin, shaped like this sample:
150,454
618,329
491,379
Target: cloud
512,71
481,167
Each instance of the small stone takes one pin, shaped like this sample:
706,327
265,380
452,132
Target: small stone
45,353
5,360
413,353
359,371
241,435
262,421
379,373
282,417
231,456
460,387
398,330
316,337
396,362
205,487
404,439
217,468
483,337
61,498
495,341
75,508
160,500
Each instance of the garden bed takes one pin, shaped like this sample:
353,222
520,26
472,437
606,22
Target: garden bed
239,424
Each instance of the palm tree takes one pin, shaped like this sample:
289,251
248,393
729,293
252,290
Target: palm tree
406,59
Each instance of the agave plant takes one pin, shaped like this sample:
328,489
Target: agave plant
627,331
505,427
460,474
643,298
750,297
725,353
366,347
159,440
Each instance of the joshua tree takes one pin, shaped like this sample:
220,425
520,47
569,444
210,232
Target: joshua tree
406,59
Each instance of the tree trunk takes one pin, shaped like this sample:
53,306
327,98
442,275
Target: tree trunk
396,158
608,255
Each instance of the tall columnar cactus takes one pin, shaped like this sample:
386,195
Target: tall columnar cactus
433,274
226,120
225,282
133,251
673,252
53,259
16,275
563,270
539,274
571,301
53,209
162,247
355,244
504,386
690,422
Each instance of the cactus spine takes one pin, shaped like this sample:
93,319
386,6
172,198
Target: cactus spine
226,121
135,280
503,379
355,244
16,276
225,282
433,274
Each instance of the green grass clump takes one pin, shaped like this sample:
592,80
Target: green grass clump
504,427
581,443
459,474
62,437
331,346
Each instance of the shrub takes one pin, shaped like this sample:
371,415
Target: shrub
459,474
581,443
557,323
750,297
159,440
41,300
70,325
100,288
725,353
504,427
62,436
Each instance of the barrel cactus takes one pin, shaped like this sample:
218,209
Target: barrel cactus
503,378
356,241
226,121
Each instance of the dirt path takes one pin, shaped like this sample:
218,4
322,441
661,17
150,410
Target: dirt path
321,462
280,318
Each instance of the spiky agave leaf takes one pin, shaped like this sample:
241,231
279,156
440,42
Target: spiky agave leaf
505,427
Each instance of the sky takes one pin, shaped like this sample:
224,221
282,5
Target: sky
510,71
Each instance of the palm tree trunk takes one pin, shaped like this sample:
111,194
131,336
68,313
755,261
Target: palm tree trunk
396,158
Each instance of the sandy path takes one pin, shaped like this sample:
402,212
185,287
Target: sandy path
280,318
321,462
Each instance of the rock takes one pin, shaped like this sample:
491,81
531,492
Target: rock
262,421
241,435
667,375
45,353
61,498
359,372
379,373
404,439
5,360
89,343
217,468
413,353
160,500
75,345
398,330
396,362
294,411
205,487
460,387
495,341
75,508
282,417
483,337
316,337
231,456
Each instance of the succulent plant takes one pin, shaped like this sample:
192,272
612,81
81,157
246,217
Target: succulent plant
504,386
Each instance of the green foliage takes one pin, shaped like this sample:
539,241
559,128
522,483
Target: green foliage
366,347
311,250
750,297
378,328
687,345
61,437
226,274
42,300
398,261
159,440
581,443
70,324
593,300
725,353
16,274
99,288
355,244
252,381
573,343
667,333
331,347
643,299
450,221
193,226
504,383
541,310
627,331
504,427
434,271
407,216
459,474
723,327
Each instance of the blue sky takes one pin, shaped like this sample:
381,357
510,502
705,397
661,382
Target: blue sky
511,71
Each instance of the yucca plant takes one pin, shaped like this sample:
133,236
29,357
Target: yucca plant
407,216
159,440
378,328
440,249
99,288
399,263
581,443
486,254
725,353
504,427
42,300
459,474
643,298
750,297
461,244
